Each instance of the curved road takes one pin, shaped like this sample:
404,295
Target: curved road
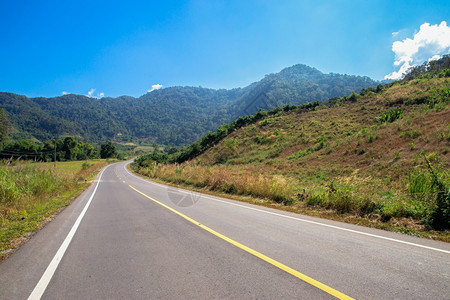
129,238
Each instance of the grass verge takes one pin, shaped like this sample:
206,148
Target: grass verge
31,194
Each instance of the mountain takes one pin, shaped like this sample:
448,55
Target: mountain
173,115
380,157
296,85
170,116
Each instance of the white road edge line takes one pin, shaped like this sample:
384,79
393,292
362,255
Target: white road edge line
48,274
303,220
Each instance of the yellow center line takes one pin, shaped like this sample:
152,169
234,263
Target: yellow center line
271,261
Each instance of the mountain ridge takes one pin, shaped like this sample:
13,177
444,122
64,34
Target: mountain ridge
176,115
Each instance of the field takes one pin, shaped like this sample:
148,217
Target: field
31,194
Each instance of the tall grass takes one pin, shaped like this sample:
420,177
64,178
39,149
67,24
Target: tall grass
343,199
30,194
429,188
219,178
21,183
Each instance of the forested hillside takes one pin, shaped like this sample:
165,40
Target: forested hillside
296,85
170,116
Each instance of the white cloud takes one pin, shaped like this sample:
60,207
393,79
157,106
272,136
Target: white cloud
435,57
428,43
90,94
65,93
155,87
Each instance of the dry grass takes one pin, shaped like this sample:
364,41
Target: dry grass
219,178
415,89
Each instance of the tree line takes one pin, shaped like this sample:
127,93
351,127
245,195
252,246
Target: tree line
65,149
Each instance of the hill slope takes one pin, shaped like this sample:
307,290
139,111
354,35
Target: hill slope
382,156
171,116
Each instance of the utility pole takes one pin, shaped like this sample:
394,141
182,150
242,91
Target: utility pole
54,161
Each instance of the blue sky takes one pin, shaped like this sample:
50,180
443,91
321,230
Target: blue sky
115,48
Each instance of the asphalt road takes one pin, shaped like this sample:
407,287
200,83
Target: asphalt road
140,240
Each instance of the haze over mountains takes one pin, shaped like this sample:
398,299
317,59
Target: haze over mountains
170,116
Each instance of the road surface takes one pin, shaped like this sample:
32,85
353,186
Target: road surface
129,238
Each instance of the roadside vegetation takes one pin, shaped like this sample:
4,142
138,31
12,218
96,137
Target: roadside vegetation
32,193
37,179
65,149
378,158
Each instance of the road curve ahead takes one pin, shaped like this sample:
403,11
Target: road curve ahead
129,238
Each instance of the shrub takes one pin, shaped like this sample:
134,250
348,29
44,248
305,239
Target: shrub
85,165
430,191
390,115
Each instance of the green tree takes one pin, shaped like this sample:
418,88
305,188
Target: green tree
108,150
353,97
87,151
70,147
4,124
